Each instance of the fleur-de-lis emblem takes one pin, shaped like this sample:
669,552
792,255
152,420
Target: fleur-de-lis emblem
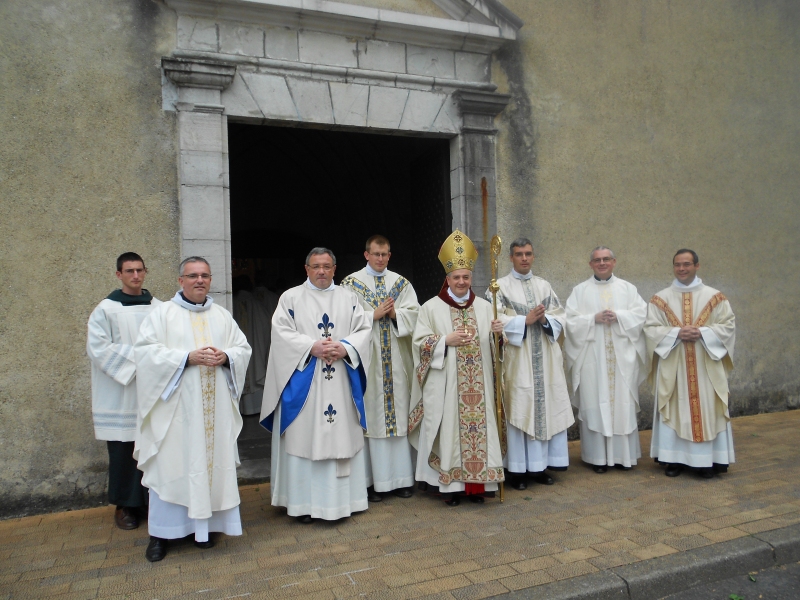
330,413
326,326
329,371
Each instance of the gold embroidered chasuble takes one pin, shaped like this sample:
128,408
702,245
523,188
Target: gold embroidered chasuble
535,392
607,363
388,392
186,445
690,386
453,395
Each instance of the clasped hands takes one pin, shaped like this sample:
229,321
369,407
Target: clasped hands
536,314
689,334
207,356
463,336
328,350
606,317
385,308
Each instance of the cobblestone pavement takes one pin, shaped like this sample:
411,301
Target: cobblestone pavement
419,547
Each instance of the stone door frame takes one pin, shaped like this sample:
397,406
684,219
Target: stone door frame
223,69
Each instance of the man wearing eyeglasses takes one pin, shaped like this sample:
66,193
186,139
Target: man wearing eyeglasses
606,358
690,331
390,303
191,360
113,328
538,410
314,396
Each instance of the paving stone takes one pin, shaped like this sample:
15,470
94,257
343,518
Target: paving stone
404,548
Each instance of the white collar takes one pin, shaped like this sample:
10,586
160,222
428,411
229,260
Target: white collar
313,287
372,272
603,281
692,287
206,305
456,298
528,275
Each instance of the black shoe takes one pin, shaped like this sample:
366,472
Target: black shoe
599,468
453,501
542,478
205,545
125,518
673,470
156,549
622,467
422,486
373,496
405,492
305,519
476,499
706,473
518,483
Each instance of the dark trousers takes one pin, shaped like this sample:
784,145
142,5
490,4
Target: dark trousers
124,479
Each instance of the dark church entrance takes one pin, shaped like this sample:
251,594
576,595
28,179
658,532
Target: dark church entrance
292,189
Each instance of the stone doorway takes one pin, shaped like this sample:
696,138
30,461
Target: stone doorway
295,188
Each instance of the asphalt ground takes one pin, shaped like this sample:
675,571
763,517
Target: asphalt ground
634,534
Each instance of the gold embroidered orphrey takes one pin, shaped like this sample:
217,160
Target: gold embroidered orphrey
472,416
691,353
208,386
607,299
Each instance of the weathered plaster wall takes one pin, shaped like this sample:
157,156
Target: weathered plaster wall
87,171
649,126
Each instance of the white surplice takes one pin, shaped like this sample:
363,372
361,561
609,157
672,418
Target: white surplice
691,420
189,415
112,332
536,399
255,321
313,409
607,365
453,422
388,393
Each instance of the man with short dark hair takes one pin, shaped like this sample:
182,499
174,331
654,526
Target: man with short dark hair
538,409
690,332
191,360
314,396
606,355
113,328
389,302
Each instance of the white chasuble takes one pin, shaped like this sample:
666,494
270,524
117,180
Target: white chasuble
189,415
388,392
453,422
690,379
606,362
316,410
536,399
113,329
322,416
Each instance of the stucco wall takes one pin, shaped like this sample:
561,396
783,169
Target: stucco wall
650,126
87,171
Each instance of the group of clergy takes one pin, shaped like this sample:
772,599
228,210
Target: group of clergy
367,392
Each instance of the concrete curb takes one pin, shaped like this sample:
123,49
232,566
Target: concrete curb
659,577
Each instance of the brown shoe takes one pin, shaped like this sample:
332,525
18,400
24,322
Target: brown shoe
125,518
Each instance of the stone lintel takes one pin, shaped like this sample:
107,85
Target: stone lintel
334,73
215,75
